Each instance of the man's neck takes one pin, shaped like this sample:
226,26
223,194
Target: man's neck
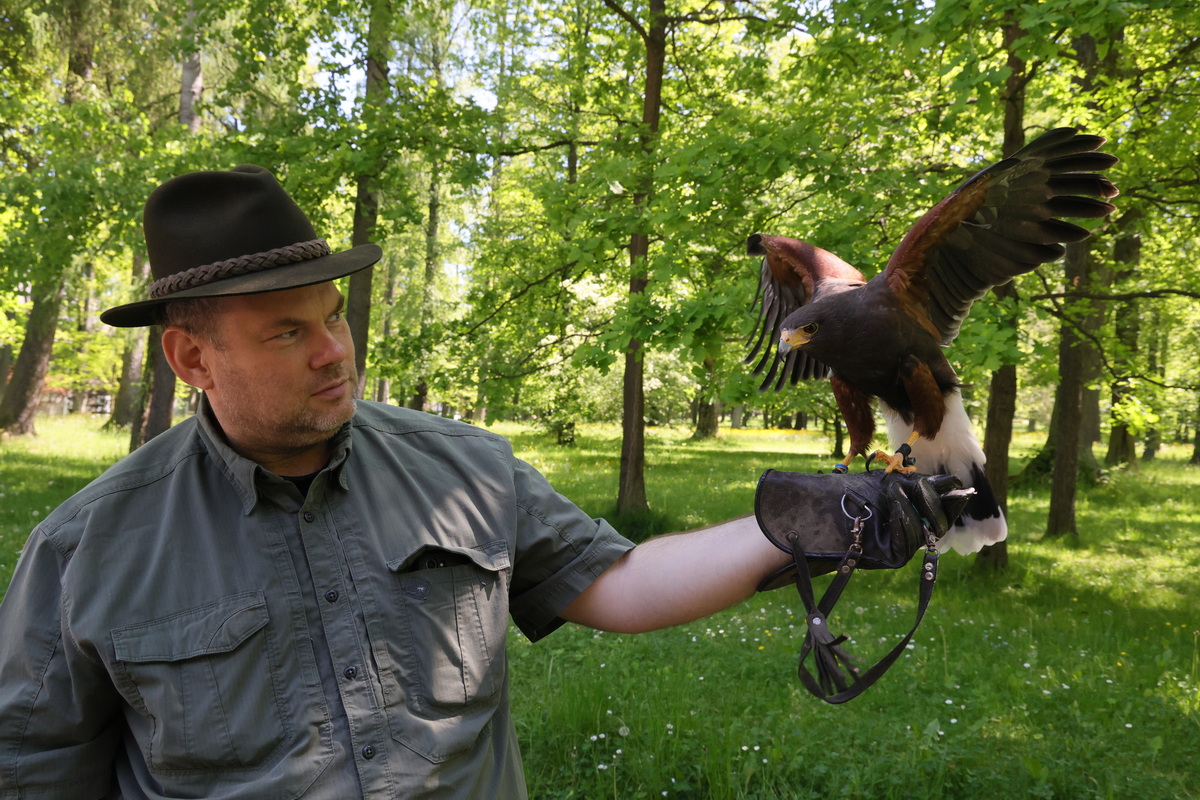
288,463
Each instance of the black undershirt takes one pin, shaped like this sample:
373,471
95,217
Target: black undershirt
302,482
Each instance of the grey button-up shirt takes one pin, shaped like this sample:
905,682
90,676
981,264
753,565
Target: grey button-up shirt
189,625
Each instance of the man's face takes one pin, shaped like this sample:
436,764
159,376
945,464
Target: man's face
282,373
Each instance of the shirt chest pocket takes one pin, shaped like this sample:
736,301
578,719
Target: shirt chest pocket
203,682
446,655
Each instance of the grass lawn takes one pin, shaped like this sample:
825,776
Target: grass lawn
1075,674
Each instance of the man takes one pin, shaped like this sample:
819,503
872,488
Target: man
293,594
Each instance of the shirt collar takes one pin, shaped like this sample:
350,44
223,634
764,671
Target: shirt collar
248,477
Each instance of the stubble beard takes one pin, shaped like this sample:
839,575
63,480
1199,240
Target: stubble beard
292,431
320,425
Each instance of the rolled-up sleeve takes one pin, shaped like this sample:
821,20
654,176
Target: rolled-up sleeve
59,720
560,552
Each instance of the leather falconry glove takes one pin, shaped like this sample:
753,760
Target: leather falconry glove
816,512
839,523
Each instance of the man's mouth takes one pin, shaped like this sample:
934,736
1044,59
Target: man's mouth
334,389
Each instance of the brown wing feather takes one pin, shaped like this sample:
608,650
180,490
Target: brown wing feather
1000,223
791,274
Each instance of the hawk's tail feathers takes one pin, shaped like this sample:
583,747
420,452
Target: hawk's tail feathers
956,451
981,524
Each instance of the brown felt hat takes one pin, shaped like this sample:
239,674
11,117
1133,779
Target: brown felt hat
213,234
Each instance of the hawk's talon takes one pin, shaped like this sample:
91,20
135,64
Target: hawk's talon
898,462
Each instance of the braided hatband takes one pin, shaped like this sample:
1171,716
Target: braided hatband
230,268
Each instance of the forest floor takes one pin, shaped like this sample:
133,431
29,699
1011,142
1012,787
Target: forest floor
1075,673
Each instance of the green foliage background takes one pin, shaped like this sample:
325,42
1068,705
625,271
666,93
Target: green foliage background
836,122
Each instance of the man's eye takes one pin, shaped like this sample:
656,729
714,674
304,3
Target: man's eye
292,334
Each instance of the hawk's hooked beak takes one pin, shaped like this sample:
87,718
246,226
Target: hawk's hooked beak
789,339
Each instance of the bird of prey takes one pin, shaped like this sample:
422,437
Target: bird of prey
883,338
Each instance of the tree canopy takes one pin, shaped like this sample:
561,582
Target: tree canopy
563,189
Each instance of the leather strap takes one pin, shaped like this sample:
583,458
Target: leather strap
838,678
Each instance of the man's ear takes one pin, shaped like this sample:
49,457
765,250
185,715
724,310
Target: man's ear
188,357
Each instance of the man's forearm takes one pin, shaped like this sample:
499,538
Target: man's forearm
677,578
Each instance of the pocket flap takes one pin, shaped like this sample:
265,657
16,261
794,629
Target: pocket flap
491,556
214,628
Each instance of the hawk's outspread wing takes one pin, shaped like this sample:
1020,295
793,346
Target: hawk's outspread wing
792,273
1001,223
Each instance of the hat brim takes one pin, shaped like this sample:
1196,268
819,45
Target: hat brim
289,276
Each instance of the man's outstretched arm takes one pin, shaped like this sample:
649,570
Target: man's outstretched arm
677,578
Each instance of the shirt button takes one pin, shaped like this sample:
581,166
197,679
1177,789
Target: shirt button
368,752
331,596
350,672
308,516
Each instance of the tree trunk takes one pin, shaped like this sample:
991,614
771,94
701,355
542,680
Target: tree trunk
1122,447
358,295
1089,411
419,400
366,205
1069,400
81,48
138,426
1001,408
706,410
20,403
126,404
631,490
383,388
191,82
1083,320
1195,459
707,426
839,437
1095,68
158,412
6,353
1157,358
159,393
433,268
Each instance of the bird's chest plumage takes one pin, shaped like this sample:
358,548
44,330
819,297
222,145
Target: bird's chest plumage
867,342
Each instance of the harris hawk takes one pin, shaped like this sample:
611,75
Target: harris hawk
883,338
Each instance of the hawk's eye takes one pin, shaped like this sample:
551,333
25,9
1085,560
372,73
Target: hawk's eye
809,329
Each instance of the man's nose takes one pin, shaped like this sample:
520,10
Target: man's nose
331,349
